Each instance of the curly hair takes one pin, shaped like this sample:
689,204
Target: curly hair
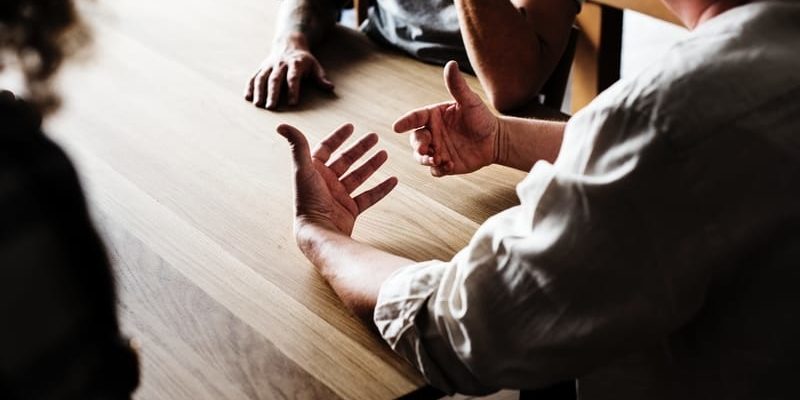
39,35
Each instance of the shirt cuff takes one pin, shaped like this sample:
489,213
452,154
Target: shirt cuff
402,298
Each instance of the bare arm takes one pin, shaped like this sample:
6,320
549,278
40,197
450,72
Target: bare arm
326,210
354,270
301,24
307,19
520,142
514,45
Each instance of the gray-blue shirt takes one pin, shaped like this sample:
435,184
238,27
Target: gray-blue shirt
425,29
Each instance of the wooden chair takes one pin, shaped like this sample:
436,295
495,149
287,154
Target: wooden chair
361,8
599,46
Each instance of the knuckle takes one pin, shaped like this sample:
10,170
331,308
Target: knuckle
293,76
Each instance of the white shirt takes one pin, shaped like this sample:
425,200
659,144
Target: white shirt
659,257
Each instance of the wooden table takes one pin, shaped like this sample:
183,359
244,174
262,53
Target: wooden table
190,187
599,47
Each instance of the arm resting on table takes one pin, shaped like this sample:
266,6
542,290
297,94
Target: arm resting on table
354,270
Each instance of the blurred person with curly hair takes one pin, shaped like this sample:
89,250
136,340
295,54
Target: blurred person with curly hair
60,337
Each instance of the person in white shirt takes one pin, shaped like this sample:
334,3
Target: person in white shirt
656,248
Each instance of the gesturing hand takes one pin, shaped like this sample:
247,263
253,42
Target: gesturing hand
323,194
454,137
291,64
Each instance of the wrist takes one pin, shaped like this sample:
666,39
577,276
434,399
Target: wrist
500,155
292,41
313,237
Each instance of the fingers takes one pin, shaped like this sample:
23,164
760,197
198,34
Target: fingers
332,142
439,147
370,197
260,83
441,170
299,145
303,161
293,79
360,175
274,86
353,153
412,119
458,87
421,147
417,118
321,77
264,89
248,91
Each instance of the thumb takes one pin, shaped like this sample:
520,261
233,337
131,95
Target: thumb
299,144
458,87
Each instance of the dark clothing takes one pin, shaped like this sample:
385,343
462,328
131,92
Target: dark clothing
60,336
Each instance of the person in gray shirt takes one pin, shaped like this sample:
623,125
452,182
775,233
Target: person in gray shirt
512,46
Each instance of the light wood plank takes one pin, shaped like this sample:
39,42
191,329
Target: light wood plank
177,325
653,8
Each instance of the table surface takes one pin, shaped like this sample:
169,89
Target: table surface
190,187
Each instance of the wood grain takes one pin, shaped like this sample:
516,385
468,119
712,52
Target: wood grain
653,8
191,186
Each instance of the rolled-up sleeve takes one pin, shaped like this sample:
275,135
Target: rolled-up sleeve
547,290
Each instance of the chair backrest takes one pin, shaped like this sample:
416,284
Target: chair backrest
556,85
361,7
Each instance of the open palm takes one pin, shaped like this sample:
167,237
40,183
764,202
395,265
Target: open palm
323,193
455,137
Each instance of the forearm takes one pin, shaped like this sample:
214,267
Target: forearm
520,142
513,50
303,23
354,270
